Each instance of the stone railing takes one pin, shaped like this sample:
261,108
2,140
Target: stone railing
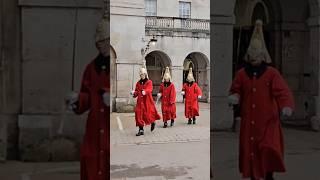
156,22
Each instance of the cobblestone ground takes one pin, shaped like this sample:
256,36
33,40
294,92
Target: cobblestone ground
179,152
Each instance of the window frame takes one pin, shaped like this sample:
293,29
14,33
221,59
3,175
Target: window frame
151,12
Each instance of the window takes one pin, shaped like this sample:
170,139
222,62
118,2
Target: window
151,7
184,9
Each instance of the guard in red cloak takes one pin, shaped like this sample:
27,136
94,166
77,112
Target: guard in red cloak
192,93
95,96
145,110
263,96
167,93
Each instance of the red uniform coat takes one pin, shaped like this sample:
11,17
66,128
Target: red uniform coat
261,138
191,99
95,148
168,101
145,111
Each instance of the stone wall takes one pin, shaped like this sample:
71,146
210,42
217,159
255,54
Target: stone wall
10,78
36,73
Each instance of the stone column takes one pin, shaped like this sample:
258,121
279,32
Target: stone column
3,140
313,24
177,80
209,85
10,78
221,71
127,76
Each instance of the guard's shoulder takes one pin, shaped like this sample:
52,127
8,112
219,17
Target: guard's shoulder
91,64
273,70
241,71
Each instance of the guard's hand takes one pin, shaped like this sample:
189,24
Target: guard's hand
233,99
159,94
286,112
143,93
199,97
183,93
132,93
71,100
106,98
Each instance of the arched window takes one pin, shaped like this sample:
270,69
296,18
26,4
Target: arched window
259,12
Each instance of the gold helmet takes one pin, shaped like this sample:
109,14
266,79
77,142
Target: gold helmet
190,77
103,29
143,70
166,75
257,46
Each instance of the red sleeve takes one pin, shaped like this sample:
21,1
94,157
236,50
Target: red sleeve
236,86
161,88
84,95
173,95
149,87
281,92
198,90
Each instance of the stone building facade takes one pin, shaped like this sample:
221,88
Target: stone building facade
182,31
44,47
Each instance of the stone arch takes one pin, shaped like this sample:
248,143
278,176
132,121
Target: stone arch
113,78
246,12
199,63
156,62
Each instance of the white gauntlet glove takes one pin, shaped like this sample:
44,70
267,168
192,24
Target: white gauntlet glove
143,93
159,95
71,99
183,93
106,98
233,99
286,111
199,97
132,93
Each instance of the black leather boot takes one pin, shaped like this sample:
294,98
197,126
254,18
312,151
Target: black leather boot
269,176
165,125
194,120
189,121
172,123
140,132
153,125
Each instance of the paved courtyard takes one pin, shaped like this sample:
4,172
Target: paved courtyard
302,155
179,152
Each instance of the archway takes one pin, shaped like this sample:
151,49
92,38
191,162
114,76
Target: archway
199,63
156,62
246,13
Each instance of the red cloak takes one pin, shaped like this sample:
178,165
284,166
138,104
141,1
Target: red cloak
191,99
95,149
261,138
145,110
168,101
